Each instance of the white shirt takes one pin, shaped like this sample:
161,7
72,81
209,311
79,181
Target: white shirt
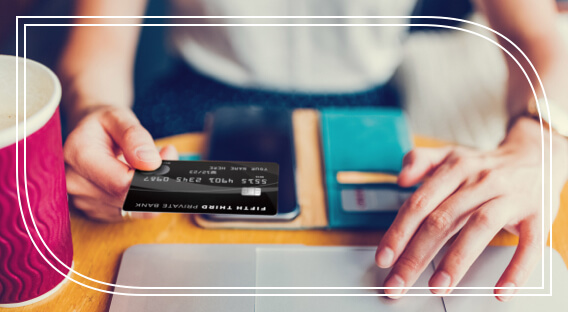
328,59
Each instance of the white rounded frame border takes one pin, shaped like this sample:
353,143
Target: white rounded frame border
67,276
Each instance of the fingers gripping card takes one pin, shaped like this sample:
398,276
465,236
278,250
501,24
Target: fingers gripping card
220,187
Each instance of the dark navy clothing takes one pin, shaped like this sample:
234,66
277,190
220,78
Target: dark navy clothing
178,102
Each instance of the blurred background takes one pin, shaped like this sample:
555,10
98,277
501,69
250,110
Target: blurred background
451,82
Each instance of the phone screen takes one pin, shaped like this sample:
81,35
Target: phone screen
264,134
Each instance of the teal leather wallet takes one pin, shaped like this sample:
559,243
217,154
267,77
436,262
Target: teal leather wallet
363,140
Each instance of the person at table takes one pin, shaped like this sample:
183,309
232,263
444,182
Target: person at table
470,192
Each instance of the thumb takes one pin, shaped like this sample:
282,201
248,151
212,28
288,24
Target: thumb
420,162
135,142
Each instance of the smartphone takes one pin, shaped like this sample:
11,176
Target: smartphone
254,133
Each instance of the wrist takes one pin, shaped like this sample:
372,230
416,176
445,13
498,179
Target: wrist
82,110
76,112
86,92
524,136
527,128
78,102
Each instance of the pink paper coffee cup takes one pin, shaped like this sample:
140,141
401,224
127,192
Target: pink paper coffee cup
25,276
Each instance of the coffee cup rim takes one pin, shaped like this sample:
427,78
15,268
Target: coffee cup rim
38,119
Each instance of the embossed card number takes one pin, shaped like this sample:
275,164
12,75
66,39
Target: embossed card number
217,187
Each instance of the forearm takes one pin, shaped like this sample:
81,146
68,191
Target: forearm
532,26
97,63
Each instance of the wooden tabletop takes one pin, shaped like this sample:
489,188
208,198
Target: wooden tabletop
98,247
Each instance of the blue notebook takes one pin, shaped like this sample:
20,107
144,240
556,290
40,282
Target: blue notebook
363,140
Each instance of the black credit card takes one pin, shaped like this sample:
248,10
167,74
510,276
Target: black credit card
219,187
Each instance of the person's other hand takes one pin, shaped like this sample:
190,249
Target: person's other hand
101,154
476,194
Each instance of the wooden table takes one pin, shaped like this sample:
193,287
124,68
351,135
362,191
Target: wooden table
99,246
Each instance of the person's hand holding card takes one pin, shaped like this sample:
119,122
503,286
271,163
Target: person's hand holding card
101,154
